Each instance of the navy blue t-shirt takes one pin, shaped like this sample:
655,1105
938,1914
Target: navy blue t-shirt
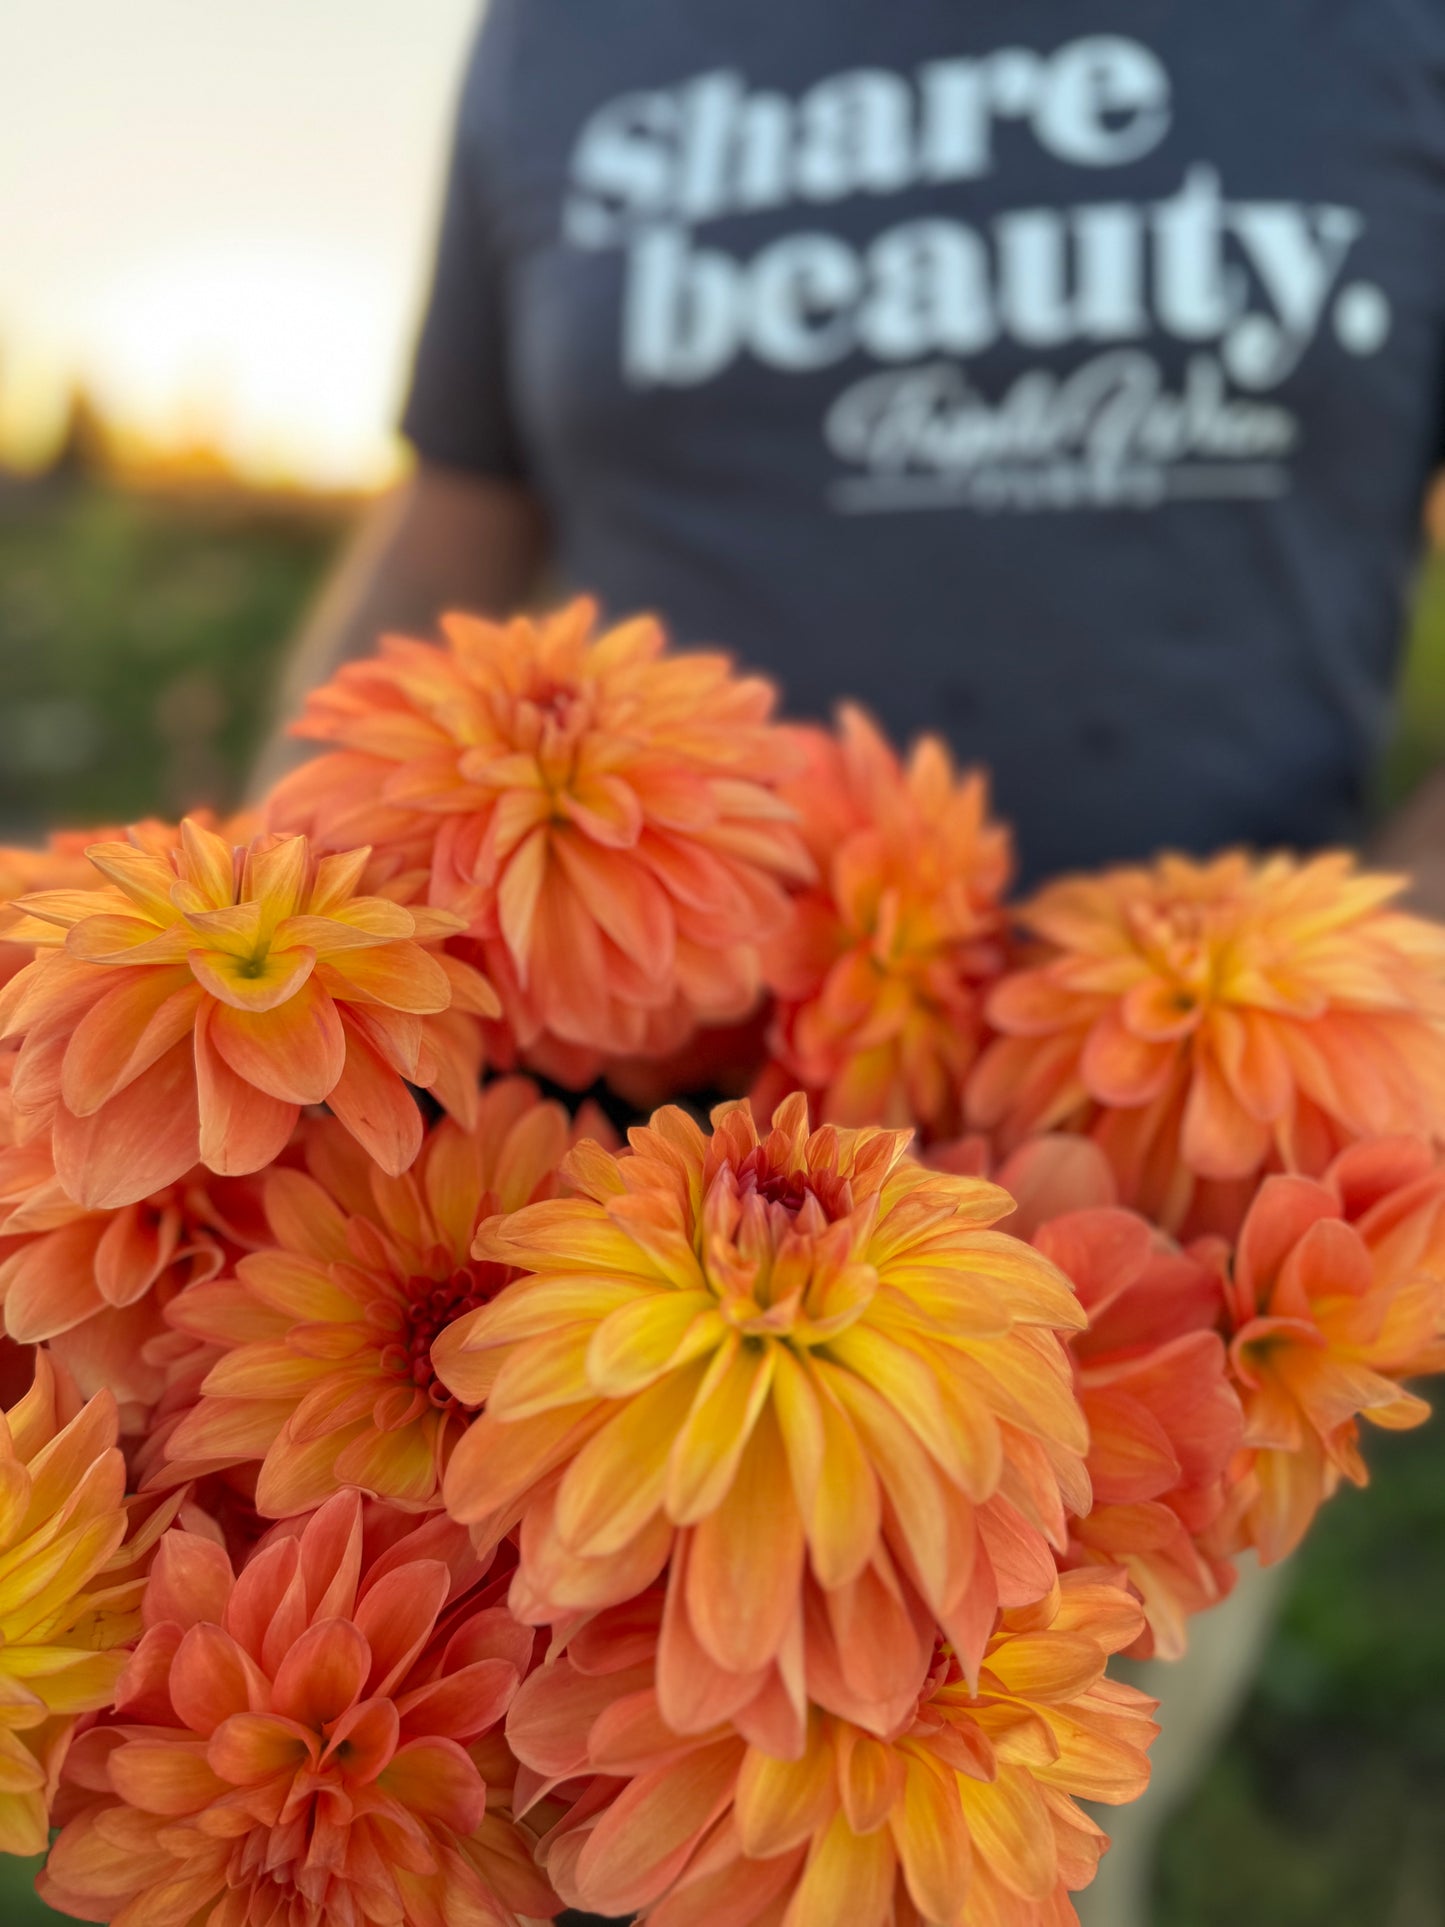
1062,376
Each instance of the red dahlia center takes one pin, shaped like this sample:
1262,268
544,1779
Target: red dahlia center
431,1305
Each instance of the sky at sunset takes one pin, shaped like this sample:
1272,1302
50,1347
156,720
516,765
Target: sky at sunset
215,215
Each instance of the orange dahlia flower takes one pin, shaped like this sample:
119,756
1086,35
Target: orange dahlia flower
186,1012
1207,1022
1164,1420
325,1371
602,814
880,973
1336,1293
803,1368
1152,1376
94,1285
63,1597
307,1742
966,1812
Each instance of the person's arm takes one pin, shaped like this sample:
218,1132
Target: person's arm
1414,841
443,539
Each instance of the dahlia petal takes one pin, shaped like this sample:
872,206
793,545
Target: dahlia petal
190,1582
1010,1830
643,1841
463,1704
366,1737
211,860
616,1482
642,1339
124,1034
624,900
252,984
1121,1068
296,1476
518,896
396,1617
606,809
243,1128
290,1282
211,1678
871,1778
139,1141
710,1442
49,1285
745,1560
911,1389
323,1674
549,1372
146,880
1219,1138
400,975
294,1051
782,1803
847,1877
376,1107
435,1779
397,1465
835,1485
932,1840
494,1463
250,1748
1046,1666
262,1370
164,1776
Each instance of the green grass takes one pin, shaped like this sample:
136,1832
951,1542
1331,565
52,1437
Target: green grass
138,644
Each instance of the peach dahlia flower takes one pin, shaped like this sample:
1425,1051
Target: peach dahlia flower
93,1285
324,1337
801,1367
964,1815
603,814
880,974
1336,1292
64,1598
1164,1420
1206,1022
1152,1375
310,1742
188,1009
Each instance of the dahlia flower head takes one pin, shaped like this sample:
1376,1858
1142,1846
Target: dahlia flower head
1334,1295
186,1009
963,1814
315,1739
879,975
69,1587
799,1372
1153,1378
602,814
94,1285
1208,1022
322,1338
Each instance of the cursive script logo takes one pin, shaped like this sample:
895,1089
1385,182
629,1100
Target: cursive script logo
1110,430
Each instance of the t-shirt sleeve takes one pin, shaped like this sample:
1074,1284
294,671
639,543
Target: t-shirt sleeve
458,410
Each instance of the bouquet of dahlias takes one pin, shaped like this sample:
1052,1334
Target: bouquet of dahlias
436,1493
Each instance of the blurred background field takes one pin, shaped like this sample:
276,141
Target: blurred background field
140,630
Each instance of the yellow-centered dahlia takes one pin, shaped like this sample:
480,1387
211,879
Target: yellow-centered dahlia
603,814
1206,1022
803,1369
325,1373
186,1010
879,975
963,1815
65,1603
